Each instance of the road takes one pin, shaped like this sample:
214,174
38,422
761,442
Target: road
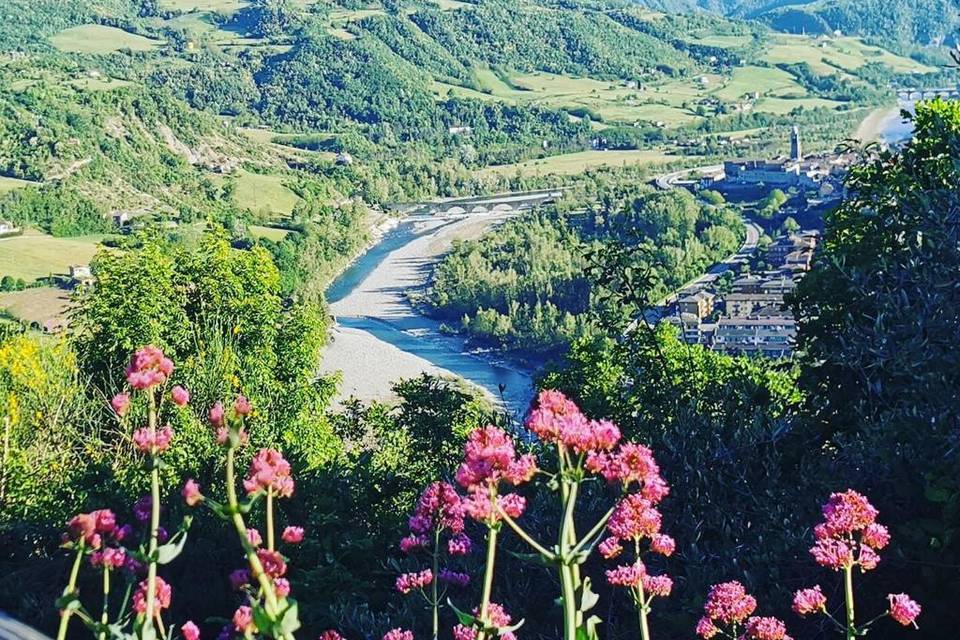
753,231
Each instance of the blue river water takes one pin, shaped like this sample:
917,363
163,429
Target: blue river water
422,337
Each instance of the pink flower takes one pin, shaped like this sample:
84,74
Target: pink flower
180,396
627,575
242,406
239,579
191,493
91,527
488,456
407,582
120,404
875,536
868,558
631,463
254,537
706,629
330,634
216,415
273,563
112,558
439,507
412,542
903,609
633,518
161,596
497,616
461,632
453,577
847,512
269,470
832,553
557,420
190,631
660,586
243,619
459,545
398,634
479,506
153,440
521,470
807,601
148,368
663,544
766,629
610,548
292,535
282,587
729,602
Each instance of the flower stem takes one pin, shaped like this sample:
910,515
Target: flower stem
270,544
266,587
569,578
526,537
488,579
154,519
642,608
105,614
435,599
71,588
597,528
848,592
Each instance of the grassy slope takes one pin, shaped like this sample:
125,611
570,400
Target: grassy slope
98,39
35,255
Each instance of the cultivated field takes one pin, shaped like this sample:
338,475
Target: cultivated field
270,233
828,56
36,255
96,38
264,194
36,305
225,6
571,163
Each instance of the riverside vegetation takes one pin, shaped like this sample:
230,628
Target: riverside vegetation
738,499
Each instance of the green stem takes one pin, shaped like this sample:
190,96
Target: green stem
488,579
848,592
526,537
266,587
154,519
642,608
270,544
435,601
568,578
105,614
594,532
70,589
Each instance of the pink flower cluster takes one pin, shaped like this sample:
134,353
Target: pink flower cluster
161,596
93,527
439,508
849,534
151,441
292,535
191,493
490,457
728,603
807,601
631,463
635,518
407,582
765,628
558,420
497,617
110,558
148,368
903,609
269,470
219,419
398,634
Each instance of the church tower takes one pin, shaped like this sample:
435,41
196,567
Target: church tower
796,151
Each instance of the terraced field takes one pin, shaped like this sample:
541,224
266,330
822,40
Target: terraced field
571,163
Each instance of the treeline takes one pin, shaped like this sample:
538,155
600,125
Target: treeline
525,286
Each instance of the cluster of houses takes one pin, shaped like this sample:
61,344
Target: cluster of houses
751,319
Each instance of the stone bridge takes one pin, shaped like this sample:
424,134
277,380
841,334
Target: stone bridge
480,205
908,93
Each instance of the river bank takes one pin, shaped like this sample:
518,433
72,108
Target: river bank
379,338
886,124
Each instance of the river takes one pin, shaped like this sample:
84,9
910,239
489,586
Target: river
379,337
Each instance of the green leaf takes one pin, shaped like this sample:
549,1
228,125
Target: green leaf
588,599
512,628
465,618
533,557
68,602
168,552
289,621
263,621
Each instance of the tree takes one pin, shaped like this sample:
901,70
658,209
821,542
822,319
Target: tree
879,325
